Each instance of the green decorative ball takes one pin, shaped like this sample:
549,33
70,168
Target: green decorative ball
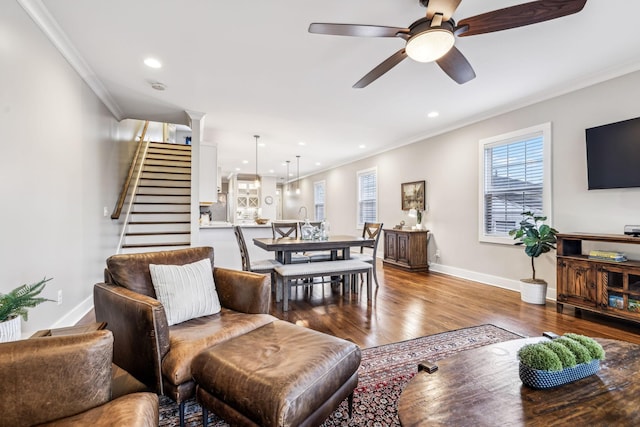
540,357
595,349
581,352
564,354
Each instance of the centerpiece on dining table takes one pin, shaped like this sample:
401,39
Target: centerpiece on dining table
310,232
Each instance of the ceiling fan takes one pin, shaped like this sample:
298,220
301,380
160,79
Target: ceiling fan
432,38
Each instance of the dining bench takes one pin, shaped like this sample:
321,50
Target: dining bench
287,273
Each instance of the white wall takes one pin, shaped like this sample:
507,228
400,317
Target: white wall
449,164
62,162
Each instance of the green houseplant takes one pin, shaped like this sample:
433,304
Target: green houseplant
14,306
537,238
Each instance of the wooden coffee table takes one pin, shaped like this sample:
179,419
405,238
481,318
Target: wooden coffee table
481,387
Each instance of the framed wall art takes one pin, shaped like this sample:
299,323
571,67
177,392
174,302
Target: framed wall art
413,195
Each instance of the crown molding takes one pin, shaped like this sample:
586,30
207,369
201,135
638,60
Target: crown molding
48,25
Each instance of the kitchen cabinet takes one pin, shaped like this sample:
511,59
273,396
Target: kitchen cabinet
406,249
606,287
248,195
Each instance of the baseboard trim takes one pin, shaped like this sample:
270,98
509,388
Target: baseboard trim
487,279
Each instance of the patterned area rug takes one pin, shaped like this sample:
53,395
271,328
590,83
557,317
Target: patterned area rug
383,374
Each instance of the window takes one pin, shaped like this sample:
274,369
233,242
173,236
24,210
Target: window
318,200
515,177
367,196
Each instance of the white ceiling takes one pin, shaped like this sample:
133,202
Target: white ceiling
253,68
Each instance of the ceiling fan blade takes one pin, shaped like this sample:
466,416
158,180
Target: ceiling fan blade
456,66
520,15
385,66
445,7
356,30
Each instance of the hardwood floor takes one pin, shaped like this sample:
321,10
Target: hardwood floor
409,305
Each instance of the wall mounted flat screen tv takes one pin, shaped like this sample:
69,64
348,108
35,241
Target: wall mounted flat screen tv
613,155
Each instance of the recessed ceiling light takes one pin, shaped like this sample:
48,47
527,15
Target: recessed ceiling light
302,143
433,114
238,169
318,163
152,63
261,144
244,162
362,146
271,171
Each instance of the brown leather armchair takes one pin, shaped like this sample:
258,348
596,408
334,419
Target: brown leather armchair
160,355
66,380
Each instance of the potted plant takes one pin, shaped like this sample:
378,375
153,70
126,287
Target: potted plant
537,239
15,305
417,214
565,359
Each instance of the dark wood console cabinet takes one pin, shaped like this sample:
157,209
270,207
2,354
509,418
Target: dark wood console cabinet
607,287
406,249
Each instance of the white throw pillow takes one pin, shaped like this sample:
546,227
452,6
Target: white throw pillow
186,291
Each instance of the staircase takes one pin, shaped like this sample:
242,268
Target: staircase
161,211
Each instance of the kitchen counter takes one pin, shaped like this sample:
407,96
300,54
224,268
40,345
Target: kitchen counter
230,225
221,237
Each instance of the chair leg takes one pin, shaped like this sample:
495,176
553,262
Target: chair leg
350,404
205,417
375,275
181,411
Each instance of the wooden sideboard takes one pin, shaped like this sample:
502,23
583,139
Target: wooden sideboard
607,287
406,249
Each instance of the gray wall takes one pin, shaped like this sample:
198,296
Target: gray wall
449,164
63,159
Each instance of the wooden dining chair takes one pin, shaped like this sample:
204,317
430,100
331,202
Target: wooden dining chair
285,229
371,230
264,266
288,229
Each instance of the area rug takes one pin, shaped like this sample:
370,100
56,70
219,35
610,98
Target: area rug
383,374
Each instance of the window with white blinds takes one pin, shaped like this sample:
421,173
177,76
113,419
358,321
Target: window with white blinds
367,196
318,200
515,178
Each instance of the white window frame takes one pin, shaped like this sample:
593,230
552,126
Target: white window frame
315,201
545,130
360,173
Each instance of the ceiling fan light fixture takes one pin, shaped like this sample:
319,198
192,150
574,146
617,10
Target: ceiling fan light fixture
430,45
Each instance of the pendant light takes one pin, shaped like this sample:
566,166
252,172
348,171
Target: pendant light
257,179
287,184
298,175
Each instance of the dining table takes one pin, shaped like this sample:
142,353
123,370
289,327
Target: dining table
338,245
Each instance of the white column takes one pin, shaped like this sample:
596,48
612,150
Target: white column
196,122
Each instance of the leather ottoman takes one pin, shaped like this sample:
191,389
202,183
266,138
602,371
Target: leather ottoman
277,375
